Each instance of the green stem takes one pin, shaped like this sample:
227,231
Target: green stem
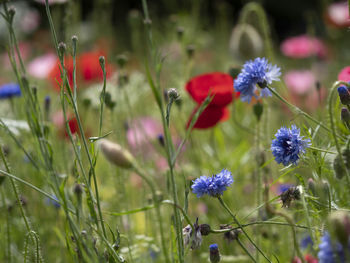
299,111
156,204
331,118
245,249
258,183
240,226
8,235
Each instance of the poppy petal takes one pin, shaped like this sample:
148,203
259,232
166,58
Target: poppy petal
218,84
209,117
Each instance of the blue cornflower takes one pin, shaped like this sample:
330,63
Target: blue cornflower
214,253
256,72
306,242
344,95
52,202
330,252
288,145
284,187
214,185
10,90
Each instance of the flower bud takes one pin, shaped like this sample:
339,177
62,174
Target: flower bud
337,164
345,115
122,60
102,61
311,185
78,189
190,51
344,95
11,12
214,253
205,229
258,110
62,49
339,226
74,39
173,94
180,31
116,154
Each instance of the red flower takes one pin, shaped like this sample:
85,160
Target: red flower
220,85
307,257
344,75
88,69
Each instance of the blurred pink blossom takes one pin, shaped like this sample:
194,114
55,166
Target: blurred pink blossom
303,46
344,74
338,14
30,21
142,132
300,81
41,66
24,49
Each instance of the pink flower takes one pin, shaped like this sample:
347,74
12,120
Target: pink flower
41,66
300,81
30,21
25,50
338,14
142,132
344,75
303,46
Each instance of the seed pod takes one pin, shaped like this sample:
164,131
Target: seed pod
337,165
116,154
339,225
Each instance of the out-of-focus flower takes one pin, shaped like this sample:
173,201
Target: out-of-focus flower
88,69
218,85
306,242
53,202
58,121
142,132
214,253
330,252
41,66
303,46
256,72
10,90
24,49
344,74
289,145
309,259
300,81
214,185
338,14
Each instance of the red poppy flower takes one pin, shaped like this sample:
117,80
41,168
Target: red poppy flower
58,121
344,75
88,69
209,117
220,85
55,73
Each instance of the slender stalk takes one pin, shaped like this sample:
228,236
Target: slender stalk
299,111
258,183
8,255
331,118
240,226
245,249
157,206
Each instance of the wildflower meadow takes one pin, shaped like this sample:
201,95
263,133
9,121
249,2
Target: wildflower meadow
174,131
